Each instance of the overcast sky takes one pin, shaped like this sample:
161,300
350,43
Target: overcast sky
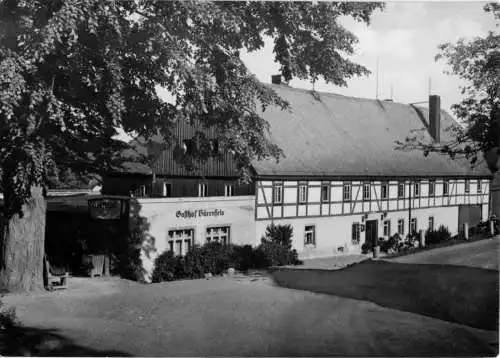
404,37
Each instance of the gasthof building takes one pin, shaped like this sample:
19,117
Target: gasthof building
340,183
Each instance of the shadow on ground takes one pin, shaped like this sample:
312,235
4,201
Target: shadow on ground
25,341
459,294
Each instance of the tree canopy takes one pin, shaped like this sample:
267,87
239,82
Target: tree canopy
73,71
477,62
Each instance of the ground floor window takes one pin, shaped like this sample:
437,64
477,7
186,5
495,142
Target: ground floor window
413,225
310,235
401,226
180,241
356,233
218,234
387,228
431,223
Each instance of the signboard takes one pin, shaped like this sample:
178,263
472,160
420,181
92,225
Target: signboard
105,209
199,213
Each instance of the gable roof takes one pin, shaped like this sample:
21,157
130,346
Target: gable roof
332,135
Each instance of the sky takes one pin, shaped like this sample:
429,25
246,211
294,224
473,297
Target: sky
404,37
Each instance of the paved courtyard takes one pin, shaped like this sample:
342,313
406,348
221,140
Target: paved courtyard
243,316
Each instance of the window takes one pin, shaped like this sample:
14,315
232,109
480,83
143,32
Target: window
387,228
347,192
302,193
432,188
446,187
401,226
384,191
401,190
416,188
202,190
431,223
413,225
167,190
310,235
228,189
188,146
278,193
214,146
356,233
479,187
325,192
179,241
467,186
142,191
366,191
218,234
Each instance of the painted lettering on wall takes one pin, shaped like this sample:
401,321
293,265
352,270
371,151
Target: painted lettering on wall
188,214
105,209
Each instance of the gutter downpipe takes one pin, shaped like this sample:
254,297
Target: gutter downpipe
409,209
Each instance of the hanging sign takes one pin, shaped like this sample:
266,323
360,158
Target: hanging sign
105,209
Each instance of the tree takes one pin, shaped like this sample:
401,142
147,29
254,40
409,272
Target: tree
478,63
72,72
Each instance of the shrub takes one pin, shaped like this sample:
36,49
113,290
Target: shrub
167,267
275,248
442,234
243,258
215,257
367,247
390,244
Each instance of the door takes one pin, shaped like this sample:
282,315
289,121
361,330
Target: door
371,232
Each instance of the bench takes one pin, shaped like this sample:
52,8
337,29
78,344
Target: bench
55,280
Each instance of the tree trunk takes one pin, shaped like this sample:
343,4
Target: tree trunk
23,245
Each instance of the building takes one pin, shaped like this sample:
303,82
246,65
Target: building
341,182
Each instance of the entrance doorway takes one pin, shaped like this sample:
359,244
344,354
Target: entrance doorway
371,232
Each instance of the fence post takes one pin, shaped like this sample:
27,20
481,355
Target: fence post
422,238
466,231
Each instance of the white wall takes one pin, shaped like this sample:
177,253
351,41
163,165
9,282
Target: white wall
334,232
164,214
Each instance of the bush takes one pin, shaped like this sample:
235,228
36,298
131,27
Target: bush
275,248
442,234
367,247
166,267
390,244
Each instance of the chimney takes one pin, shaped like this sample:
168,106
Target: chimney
276,79
435,117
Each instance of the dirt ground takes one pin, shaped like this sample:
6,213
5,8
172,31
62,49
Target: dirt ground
379,308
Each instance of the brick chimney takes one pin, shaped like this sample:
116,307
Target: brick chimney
276,79
435,117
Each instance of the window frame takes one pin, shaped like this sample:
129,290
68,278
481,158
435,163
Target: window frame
327,186
401,185
413,220
347,186
467,186
219,236
367,185
167,189
416,188
446,185
387,227
384,188
429,221
202,193
432,184
229,193
479,187
355,233
401,225
302,186
313,232
173,240
277,188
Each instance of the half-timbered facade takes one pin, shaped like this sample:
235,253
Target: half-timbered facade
342,181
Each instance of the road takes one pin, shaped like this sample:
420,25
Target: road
245,316
482,254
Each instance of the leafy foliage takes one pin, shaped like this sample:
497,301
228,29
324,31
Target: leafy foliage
477,63
276,246
436,236
72,72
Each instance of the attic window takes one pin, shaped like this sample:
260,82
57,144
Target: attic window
188,146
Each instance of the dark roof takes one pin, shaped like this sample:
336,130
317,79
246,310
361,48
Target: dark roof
332,135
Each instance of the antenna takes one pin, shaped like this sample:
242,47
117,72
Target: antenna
376,81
